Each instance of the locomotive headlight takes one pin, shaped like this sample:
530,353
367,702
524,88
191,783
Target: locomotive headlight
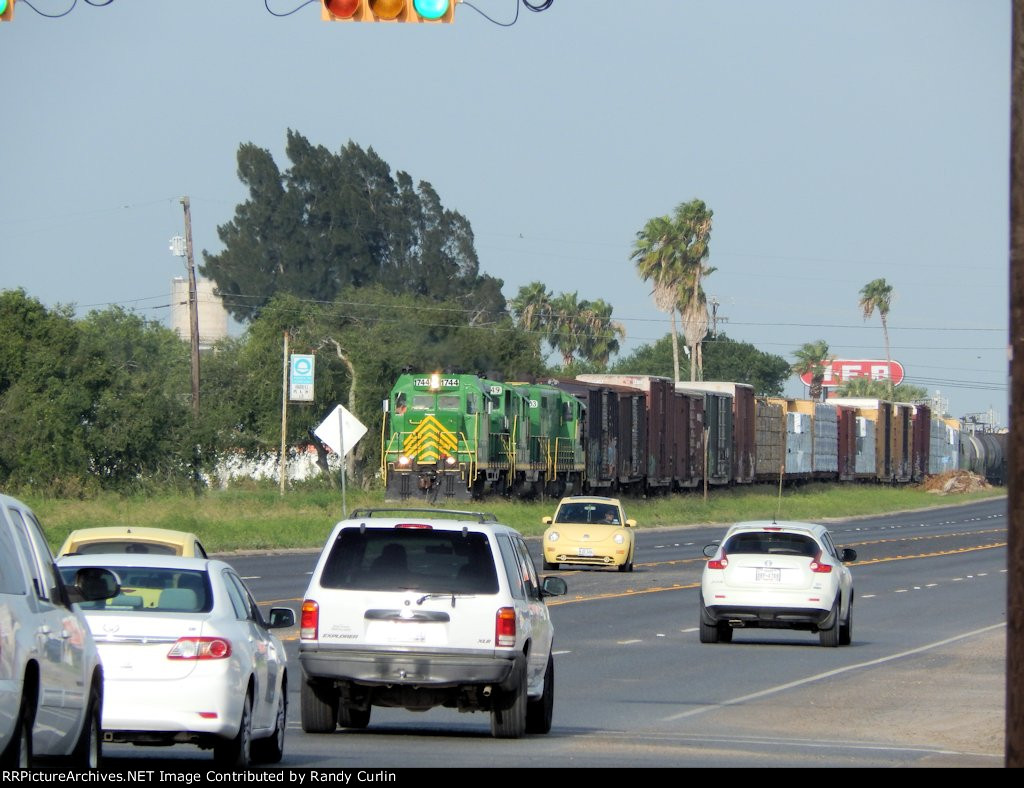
449,460
403,460
553,536
619,538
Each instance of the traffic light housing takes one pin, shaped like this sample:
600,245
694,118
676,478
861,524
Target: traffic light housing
387,10
6,10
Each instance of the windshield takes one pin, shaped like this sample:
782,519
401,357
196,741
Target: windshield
588,513
390,559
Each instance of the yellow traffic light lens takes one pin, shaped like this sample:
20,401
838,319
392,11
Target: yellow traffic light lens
343,9
387,9
431,9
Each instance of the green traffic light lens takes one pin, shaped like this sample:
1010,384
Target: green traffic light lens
3,6
431,9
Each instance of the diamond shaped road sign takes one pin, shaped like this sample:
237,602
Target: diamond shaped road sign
340,430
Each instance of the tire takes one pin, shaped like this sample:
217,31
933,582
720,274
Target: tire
18,753
88,752
538,712
510,723
709,633
236,753
628,565
829,638
319,707
271,749
349,717
549,567
846,630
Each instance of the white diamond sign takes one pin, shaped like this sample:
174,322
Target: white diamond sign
340,430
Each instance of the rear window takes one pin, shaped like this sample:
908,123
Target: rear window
379,559
119,546
771,543
153,589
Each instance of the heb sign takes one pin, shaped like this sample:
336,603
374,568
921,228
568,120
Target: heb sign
840,371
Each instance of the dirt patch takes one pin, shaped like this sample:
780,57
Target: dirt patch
954,483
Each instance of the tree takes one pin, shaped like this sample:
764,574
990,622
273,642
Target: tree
332,221
601,334
877,295
812,357
881,389
669,252
726,359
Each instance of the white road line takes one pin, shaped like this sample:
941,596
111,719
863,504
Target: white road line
567,651
629,642
828,674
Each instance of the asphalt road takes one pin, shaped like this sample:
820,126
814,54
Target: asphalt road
922,684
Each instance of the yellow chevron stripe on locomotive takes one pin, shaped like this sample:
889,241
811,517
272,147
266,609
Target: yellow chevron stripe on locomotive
429,441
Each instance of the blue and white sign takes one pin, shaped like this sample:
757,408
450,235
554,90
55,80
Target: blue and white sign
300,387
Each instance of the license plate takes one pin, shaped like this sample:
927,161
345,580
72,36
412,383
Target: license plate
767,575
585,552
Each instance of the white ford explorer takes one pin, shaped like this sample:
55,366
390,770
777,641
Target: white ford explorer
422,608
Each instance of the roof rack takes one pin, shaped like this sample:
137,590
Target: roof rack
455,514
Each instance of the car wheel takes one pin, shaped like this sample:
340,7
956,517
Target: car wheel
709,633
349,717
236,753
846,630
538,712
319,707
18,753
89,748
627,566
830,637
510,723
271,749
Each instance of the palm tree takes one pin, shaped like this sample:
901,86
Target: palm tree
812,357
670,252
657,261
602,334
567,327
877,294
532,307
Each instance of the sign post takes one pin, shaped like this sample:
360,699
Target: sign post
341,431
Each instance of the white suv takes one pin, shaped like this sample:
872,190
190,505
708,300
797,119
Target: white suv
777,575
422,608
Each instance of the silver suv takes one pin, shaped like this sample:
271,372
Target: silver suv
51,680
417,608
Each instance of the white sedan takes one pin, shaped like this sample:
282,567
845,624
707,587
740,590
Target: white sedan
787,575
188,658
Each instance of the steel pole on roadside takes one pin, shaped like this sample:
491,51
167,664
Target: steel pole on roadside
344,463
1015,541
283,462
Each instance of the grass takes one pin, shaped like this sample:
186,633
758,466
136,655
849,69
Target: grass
259,518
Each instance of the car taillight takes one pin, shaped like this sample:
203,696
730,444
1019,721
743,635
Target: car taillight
200,648
309,622
505,627
719,563
421,526
818,567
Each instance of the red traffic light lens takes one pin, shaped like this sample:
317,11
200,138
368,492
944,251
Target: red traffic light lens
343,9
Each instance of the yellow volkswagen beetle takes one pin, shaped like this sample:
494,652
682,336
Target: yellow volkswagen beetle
589,530
132,539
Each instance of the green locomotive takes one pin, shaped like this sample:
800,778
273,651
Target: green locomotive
460,436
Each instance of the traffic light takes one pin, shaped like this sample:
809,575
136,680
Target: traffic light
385,10
6,10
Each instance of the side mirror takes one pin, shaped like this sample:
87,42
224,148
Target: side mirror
93,584
711,549
847,555
280,618
631,523
546,520
553,586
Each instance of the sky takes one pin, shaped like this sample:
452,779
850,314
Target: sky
836,142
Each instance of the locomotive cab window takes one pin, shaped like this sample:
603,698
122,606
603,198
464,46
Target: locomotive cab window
423,402
449,402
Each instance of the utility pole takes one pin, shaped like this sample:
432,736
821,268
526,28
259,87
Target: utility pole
193,307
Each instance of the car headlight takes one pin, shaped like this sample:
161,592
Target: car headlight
553,536
619,538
